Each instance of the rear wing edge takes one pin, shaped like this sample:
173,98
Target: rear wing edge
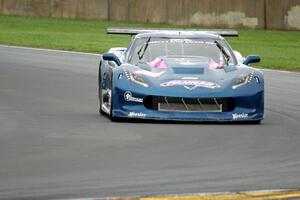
135,31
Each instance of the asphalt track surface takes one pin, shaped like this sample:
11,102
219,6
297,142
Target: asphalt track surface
54,144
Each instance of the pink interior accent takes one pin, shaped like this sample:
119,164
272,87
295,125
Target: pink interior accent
159,63
213,65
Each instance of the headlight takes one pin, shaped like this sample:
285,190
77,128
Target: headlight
242,80
136,78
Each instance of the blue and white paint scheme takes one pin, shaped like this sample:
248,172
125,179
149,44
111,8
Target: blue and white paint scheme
181,75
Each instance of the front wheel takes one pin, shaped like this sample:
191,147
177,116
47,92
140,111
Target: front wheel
100,103
100,96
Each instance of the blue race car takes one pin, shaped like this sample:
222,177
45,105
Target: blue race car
184,75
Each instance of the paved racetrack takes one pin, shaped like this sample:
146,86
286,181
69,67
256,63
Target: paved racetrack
53,143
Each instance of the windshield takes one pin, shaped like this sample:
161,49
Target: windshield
149,49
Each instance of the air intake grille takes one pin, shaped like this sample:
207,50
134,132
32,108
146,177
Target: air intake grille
177,104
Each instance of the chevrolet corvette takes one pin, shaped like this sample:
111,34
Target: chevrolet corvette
183,75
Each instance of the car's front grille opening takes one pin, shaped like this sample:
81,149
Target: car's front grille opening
178,104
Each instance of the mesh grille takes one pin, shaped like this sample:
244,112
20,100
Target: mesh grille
177,104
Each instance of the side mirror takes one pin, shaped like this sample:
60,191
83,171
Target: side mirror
111,57
251,59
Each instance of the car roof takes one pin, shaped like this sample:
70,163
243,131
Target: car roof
180,34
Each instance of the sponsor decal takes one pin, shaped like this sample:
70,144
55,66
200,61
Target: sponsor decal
189,78
128,97
120,76
135,114
239,116
187,63
191,84
187,41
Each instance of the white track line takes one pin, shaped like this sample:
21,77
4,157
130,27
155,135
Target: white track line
95,54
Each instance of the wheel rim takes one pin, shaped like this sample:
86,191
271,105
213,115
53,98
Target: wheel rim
105,102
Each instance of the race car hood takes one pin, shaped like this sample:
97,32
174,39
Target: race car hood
188,73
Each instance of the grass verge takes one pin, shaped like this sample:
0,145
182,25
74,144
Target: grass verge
278,49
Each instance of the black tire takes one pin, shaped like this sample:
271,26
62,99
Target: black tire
100,90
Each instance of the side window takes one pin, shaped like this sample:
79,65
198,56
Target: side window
228,49
126,53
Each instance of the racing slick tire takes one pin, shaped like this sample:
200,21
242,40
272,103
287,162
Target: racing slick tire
100,90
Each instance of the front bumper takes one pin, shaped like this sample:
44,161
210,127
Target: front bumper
247,108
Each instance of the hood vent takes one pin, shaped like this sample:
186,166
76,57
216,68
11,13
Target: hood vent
188,70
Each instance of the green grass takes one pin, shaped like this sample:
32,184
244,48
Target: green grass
278,49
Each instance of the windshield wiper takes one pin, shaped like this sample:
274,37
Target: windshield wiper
144,48
227,57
